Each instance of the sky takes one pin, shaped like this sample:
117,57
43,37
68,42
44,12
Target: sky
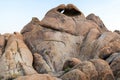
15,14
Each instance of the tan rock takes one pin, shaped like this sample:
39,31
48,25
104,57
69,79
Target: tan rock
100,47
55,43
61,21
87,47
2,44
40,64
98,21
54,46
16,59
65,33
89,69
37,77
74,75
103,69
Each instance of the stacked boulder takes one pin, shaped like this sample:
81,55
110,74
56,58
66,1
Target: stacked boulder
64,45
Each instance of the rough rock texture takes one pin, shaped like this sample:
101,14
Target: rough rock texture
64,45
114,61
89,69
2,44
40,64
98,21
16,59
54,46
74,75
37,77
103,69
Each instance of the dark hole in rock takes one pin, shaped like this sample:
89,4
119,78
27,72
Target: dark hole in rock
61,10
69,12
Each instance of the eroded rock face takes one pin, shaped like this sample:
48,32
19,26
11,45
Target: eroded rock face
50,39
64,45
98,21
65,33
63,17
54,46
17,59
40,64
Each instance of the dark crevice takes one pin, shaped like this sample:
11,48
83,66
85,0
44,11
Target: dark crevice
56,41
106,56
18,49
69,12
60,30
44,53
61,10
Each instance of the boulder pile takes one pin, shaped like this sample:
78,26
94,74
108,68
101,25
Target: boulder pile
64,45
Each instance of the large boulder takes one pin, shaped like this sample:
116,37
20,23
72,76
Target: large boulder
40,64
103,69
62,18
64,45
57,41
114,61
16,60
98,21
95,69
54,46
89,69
74,75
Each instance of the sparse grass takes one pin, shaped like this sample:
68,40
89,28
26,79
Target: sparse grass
67,69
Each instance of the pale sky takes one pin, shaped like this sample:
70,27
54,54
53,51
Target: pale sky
15,14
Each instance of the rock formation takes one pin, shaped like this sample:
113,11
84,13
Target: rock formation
64,45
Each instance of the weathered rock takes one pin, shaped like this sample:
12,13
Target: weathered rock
89,69
103,47
103,69
2,44
112,57
16,59
114,61
54,46
87,47
71,17
40,64
97,69
98,21
71,63
74,75
37,77
57,42
30,26
61,21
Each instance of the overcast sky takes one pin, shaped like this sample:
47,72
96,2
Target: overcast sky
15,14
